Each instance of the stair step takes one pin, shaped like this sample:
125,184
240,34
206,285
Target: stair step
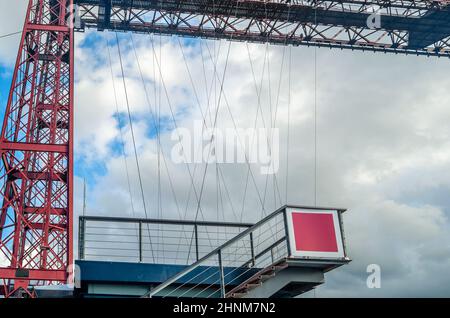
265,277
239,289
252,285
277,268
256,281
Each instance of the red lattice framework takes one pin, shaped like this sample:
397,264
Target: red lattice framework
37,152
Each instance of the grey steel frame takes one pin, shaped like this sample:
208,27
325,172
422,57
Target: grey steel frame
248,232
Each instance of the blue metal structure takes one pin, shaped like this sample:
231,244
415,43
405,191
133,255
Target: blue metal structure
107,279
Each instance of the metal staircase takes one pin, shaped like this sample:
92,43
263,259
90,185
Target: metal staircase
266,260
256,280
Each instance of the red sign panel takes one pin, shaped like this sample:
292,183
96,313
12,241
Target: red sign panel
315,233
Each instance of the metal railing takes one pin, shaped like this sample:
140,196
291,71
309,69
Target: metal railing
151,240
258,247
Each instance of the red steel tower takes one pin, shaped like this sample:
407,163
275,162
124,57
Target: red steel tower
37,154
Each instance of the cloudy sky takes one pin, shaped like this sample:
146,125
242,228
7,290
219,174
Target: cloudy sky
383,142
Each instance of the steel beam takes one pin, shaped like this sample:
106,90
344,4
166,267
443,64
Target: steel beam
406,26
50,275
38,147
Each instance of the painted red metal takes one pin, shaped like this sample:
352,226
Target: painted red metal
36,148
314,232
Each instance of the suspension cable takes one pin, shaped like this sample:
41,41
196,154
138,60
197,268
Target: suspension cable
201,111
288,126
133,137
10,34
152,113
315,114
250,172
199,209
272,125
156,122
122,139
174,120
215,124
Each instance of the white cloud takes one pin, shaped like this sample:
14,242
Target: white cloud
11,20
376,145
383,149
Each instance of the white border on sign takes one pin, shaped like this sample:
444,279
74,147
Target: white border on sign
309,254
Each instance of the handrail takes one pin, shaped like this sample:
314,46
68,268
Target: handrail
162,221
196,234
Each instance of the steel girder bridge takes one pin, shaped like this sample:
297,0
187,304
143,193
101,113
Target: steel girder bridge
400,26
36,145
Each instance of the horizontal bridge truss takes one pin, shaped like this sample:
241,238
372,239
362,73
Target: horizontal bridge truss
398,26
